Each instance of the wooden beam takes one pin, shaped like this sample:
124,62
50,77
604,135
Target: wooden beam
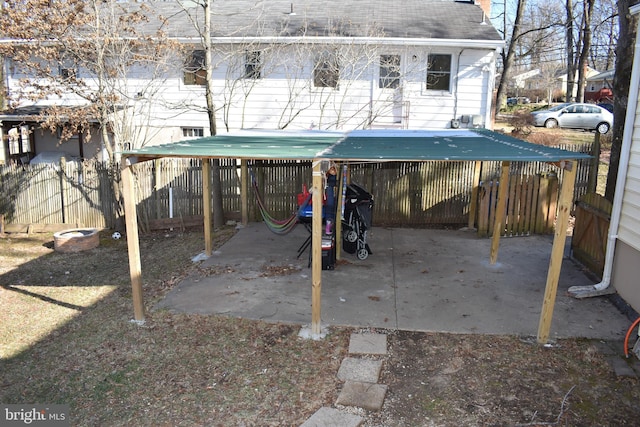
503,187
557,253
474,194
316,249
244,191
133,243
206,196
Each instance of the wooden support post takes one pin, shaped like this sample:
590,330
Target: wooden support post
338,223
557,250
244,191
595,165
206,196
474,194
133,243
316,249
503,187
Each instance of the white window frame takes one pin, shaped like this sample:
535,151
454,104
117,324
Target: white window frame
430,60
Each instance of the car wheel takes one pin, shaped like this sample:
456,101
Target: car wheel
551,123
603,128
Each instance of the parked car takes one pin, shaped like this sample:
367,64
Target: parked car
518,100
575,116
607,106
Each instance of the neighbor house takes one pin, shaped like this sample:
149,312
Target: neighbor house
294,65
600,87
548,83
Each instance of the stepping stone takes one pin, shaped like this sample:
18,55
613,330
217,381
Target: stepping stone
368,396
368,344
330,417
353,369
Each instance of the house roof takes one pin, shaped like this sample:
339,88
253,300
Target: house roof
406,19
362,145
605,75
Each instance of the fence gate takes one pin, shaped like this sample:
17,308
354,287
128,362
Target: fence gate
589,242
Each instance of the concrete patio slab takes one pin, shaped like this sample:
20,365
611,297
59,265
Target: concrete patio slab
416,279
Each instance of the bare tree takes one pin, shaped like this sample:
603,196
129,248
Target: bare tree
77,56
509,56
621,83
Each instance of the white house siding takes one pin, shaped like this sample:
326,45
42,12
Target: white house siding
626,266
285,97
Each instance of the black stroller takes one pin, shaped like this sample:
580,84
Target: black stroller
357,220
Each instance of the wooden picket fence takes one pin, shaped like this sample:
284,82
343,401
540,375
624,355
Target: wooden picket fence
530,209
589,242
169,193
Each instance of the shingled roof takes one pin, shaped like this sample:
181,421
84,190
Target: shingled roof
406,19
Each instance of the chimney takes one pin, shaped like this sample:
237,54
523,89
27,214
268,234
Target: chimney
486,7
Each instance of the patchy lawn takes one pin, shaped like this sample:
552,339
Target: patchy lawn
66,337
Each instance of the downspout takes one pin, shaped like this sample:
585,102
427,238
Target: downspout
604,287
455,122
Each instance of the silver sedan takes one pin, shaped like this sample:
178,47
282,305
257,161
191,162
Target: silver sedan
575,116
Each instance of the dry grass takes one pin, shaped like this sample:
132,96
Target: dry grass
67,338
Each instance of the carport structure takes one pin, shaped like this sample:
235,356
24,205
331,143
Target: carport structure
358,146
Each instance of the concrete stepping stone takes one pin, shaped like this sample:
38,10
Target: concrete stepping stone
330,417
364,395
368,344
365,370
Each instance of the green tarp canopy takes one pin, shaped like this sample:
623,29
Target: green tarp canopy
361,145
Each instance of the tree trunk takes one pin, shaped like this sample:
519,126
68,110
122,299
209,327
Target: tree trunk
507,61
586,45
571,73
621,83
216,185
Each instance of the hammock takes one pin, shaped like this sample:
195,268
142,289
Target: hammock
275,225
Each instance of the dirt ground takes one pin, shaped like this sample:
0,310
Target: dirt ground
66,337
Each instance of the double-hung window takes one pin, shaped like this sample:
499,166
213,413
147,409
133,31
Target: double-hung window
326,72
253,65
195,72
439,72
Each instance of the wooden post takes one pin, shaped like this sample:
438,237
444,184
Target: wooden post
63,189
156,186
595,165
474,194
338,222
133,243
244,191
206,196
316,249
557,250
503,187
